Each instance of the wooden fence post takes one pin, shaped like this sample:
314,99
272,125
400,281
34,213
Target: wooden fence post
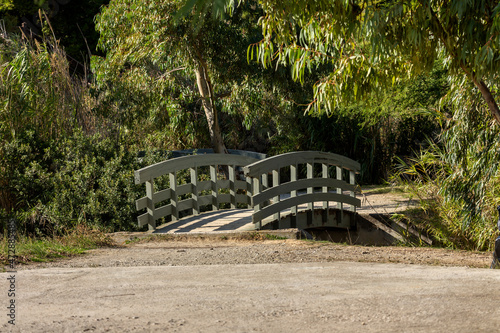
194,192
173,195
150,204
215,190
276,199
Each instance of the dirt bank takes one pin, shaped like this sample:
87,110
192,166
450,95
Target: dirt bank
205,250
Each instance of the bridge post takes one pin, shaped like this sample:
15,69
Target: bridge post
215,190
173,195
194,193
276,199
150,204
293,194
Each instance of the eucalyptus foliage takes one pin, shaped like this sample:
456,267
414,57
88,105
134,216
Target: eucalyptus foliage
147,50
375,43
457,179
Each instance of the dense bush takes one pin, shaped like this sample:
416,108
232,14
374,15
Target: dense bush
81,179
61,164
457,180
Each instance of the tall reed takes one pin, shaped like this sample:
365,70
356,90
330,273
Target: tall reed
38,98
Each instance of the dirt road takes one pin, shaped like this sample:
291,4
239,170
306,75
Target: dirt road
210,285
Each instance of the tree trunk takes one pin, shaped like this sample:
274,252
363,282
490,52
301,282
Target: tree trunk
441,33
207,100
490,100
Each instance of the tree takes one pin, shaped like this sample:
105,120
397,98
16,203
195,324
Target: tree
141,36
373,43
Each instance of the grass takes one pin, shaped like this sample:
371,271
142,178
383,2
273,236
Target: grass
380,189
76,242
245,236
275,237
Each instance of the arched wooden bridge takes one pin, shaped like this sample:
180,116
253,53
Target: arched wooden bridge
293,190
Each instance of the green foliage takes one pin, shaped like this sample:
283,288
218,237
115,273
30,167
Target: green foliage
58,167
371,45
374,136
457,180
6,5
93,183
148,72
81,179
39,103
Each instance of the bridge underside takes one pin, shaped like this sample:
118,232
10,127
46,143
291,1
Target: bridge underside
354,228
316,218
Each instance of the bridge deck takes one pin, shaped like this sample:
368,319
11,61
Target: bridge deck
236,220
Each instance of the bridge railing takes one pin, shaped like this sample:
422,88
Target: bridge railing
191,196
334,181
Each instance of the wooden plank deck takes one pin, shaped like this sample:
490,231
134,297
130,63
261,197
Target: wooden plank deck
237,220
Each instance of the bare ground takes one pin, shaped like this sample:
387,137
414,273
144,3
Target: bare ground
209,285
215,283
226,249
206,250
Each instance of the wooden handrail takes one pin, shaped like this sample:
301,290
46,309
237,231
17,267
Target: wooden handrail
170,167
187,162
300,157
266,199
260,194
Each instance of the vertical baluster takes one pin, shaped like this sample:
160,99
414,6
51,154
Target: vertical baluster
276,199
215,190
339,190
257,188
265,180
150,204
173,195
352,181
310,190
249,191
326,210
340,205
194,189
232,188
293,194
325,188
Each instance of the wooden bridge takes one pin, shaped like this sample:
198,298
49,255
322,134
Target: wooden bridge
293,190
